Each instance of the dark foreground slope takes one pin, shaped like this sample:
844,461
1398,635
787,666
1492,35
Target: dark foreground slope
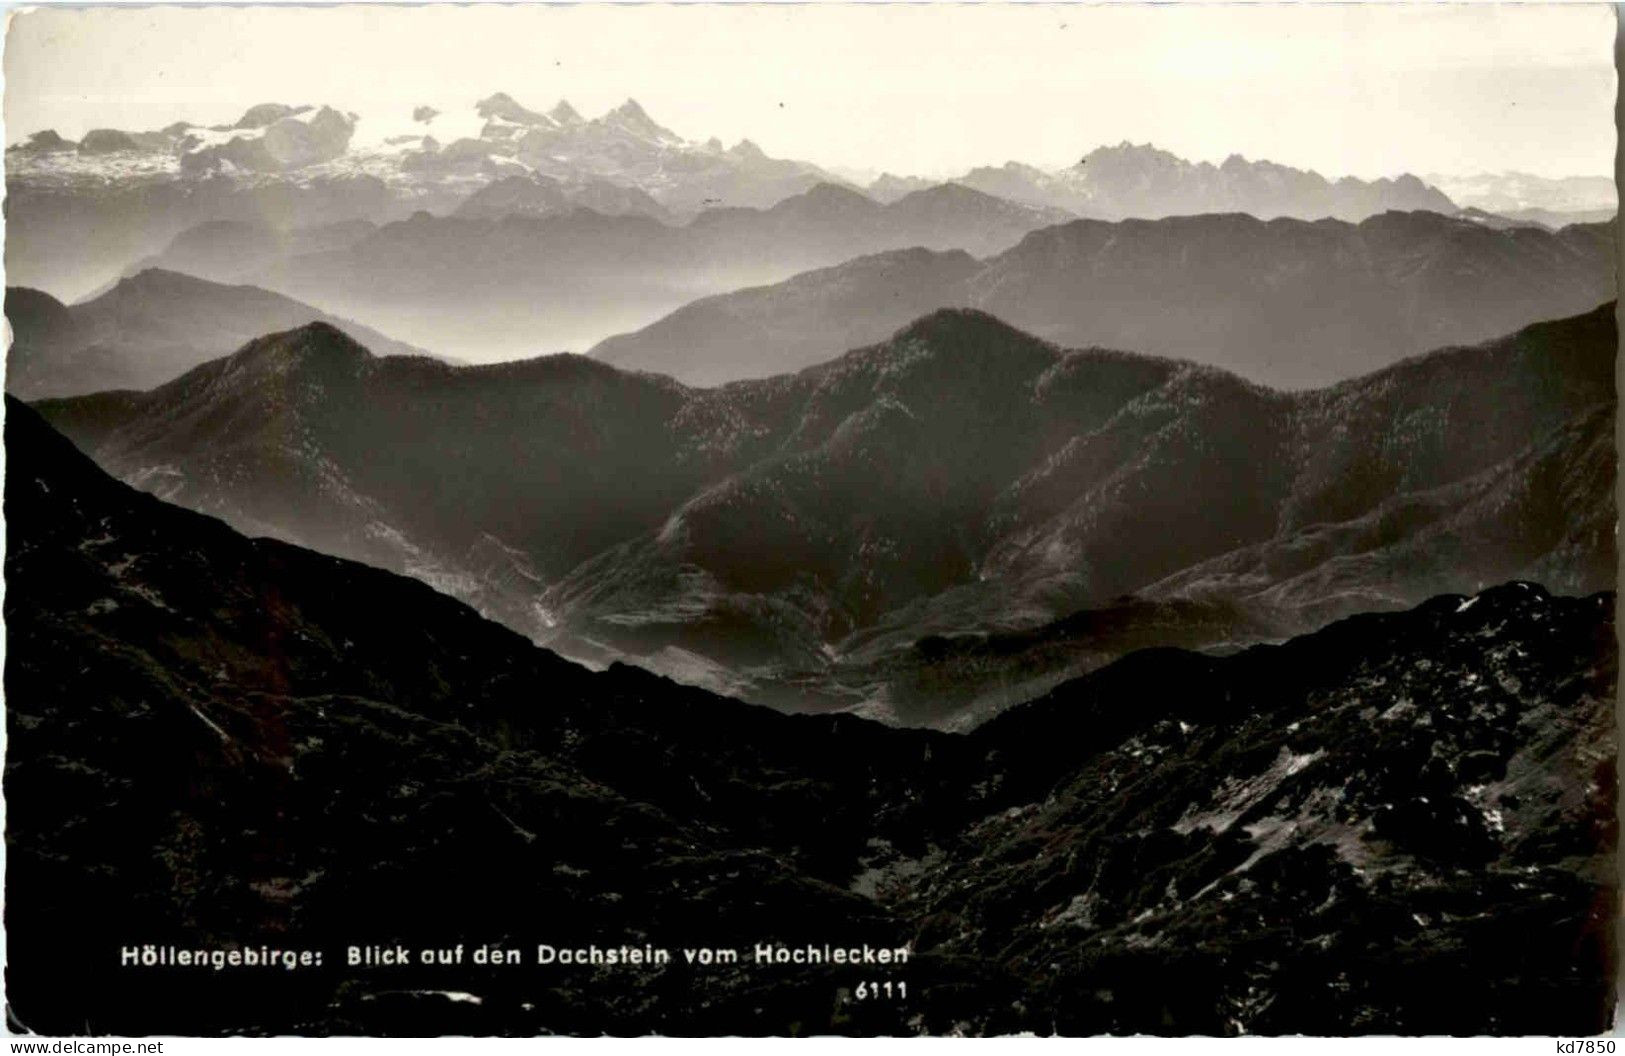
1400,824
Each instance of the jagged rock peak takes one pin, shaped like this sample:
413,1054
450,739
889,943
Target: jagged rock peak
632,109
631,116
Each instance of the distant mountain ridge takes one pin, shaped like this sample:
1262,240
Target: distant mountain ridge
1285,302
543,196
498,279
80,216
629,147
1520,193
792,539
765,330
82,213
146,330
1129,180
496,136
1228,290
269,137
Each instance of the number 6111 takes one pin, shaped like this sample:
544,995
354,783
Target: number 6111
890,990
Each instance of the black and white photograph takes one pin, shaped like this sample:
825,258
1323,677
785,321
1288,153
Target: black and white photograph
858,520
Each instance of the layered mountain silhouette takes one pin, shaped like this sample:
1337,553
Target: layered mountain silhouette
1416,280
542,196
233,250
72,239
146,330
1401,824
82,213
1286,302
490,283
1522,193
500,137
765,330
795,539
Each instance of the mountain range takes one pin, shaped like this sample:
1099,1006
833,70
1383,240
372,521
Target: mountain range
500,137
83,212
1523,195
539,272
837,537
1402,824
268,138
73,239
531,195
146,330
90,208
624,146
1129,180
1284,302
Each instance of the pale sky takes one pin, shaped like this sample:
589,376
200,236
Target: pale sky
1360,90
